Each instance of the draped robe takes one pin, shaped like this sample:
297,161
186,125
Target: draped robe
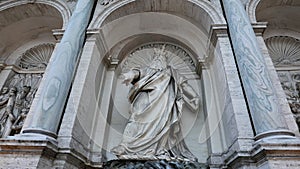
153,130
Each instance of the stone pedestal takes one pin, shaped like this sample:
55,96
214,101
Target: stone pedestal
19,154
153,164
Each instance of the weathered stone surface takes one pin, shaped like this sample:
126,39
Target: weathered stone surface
259,90
161,164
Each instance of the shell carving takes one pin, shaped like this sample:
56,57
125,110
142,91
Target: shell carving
37,57
176,57
284,50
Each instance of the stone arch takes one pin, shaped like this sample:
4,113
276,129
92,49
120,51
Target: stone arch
26,24
120,50
61,7
282,42
283,23
251,8
205,9
255,6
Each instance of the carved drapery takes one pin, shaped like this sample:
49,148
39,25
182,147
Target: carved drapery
19,90
106,2
159,75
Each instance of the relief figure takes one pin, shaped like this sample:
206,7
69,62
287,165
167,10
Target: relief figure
8,118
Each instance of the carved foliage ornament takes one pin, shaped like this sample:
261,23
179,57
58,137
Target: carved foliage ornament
37,57
284,50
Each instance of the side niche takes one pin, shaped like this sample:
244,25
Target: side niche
20,88
167,60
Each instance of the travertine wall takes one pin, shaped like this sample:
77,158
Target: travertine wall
96,110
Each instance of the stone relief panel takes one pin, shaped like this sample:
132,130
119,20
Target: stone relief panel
285,54
284,51
290,81
19,89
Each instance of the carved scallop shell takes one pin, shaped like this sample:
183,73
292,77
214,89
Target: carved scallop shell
37,57
284,50
176,57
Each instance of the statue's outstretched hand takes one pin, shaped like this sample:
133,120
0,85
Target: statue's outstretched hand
128,77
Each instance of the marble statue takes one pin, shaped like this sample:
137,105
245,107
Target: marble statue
157,96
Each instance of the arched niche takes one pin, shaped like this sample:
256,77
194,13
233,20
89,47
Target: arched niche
27,44
123,26
188,21
202,13
167,25
25,25
282,16
193,122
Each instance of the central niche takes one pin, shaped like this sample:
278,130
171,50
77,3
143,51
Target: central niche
192,121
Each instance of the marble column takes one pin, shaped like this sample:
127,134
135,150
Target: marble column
59,74
259,90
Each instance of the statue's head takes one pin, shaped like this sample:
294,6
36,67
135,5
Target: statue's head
12,91
25,90
4,90
160,59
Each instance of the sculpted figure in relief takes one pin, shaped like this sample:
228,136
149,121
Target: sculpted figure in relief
8,117
15,107
154,127
3,102
21,109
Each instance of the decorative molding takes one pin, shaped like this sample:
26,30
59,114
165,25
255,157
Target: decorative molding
284,50
37,57
60,6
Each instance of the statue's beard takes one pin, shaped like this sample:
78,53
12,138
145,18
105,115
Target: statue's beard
158,64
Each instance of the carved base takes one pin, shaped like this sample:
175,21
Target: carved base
155,164
274,134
